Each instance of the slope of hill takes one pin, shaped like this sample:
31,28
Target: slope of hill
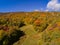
30,28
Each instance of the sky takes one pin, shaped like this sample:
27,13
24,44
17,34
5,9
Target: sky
29,5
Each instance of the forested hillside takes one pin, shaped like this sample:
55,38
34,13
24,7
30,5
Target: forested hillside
30,28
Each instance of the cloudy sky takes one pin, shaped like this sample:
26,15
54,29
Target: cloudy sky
29,5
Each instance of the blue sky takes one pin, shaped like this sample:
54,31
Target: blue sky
23,5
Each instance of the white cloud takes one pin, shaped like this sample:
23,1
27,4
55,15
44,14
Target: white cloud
36,10
53,5
46,10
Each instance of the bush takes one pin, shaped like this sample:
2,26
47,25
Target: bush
13,37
